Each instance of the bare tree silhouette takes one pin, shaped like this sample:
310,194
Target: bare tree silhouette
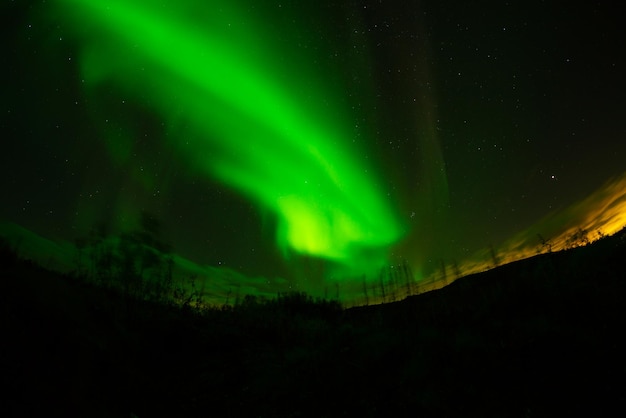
546,245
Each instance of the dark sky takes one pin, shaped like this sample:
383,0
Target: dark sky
462,126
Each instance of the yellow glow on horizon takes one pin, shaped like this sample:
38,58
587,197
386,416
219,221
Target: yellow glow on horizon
602,212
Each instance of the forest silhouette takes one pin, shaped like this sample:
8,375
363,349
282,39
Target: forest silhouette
538,337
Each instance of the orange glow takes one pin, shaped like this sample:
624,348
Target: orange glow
601,213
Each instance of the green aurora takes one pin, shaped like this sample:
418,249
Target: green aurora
311,146
240,111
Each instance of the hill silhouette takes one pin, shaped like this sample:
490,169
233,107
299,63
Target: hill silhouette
538,337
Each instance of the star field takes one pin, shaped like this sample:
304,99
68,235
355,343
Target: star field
311,144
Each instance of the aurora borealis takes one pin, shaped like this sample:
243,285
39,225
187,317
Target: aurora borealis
291,145
253,134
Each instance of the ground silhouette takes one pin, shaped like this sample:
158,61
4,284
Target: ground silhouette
539,337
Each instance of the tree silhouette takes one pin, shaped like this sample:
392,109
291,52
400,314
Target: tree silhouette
494,256
546,245
137,262
457,272
444,273
81,245
367,299
382,284
577,239
408,277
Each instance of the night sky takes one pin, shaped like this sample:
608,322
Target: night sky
306,145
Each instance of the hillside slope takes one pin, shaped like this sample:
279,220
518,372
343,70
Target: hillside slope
539,337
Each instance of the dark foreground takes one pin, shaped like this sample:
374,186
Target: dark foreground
541,337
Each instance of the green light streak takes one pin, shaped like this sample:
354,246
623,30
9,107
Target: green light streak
269,130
